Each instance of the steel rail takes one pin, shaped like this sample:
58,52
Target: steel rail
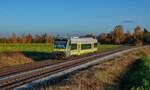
16,81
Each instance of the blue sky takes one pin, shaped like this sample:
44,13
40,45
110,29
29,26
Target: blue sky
72,16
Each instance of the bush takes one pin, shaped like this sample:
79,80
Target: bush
138,77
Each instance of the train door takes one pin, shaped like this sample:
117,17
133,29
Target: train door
79,48
92,47
68,48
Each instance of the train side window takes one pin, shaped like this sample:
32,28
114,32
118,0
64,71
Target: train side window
95,45
69,43
85,46
73,46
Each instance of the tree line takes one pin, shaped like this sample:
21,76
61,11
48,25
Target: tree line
43,38
117,36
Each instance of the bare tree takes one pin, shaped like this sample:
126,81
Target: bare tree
37,38
104,38
128,38
146,36
89,35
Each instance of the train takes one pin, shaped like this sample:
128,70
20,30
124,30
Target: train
74,46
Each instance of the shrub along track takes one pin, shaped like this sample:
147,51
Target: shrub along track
138,76
20,79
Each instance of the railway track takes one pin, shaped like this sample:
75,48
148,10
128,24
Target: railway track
4,72
23,78
7,71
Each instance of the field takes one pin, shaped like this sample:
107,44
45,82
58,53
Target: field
138,77
107,47
15,54
41,47
25,47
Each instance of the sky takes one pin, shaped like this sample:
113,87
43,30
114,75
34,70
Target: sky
72,17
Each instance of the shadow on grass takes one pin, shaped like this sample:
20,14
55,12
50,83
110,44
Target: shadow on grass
38,56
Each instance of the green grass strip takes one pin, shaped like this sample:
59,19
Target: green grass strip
138,77
42,47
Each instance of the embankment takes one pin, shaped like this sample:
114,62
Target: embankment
10,59
103,76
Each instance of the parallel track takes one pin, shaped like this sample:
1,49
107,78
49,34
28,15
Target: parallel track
7,71
26,67
18,80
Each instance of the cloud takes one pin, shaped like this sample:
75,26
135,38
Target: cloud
128,21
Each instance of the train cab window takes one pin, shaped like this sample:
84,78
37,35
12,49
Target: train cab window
95,45
60,44
73,46
85,46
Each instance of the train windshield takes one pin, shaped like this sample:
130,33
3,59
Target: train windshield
60,44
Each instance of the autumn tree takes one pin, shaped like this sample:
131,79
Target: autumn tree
118,35
138,35
19,39
13,38
23,38
3,40
51,39
146,36
89,35
46,38
37,38
29,38
128,38
104,38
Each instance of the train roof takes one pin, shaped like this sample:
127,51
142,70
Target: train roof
85,40
61,39
82,40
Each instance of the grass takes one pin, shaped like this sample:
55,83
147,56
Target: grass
10,59
15,54
26,47
42,47
138,77
105,47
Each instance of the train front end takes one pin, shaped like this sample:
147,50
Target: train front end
60,46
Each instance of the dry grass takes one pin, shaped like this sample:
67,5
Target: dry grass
9,59
104,76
